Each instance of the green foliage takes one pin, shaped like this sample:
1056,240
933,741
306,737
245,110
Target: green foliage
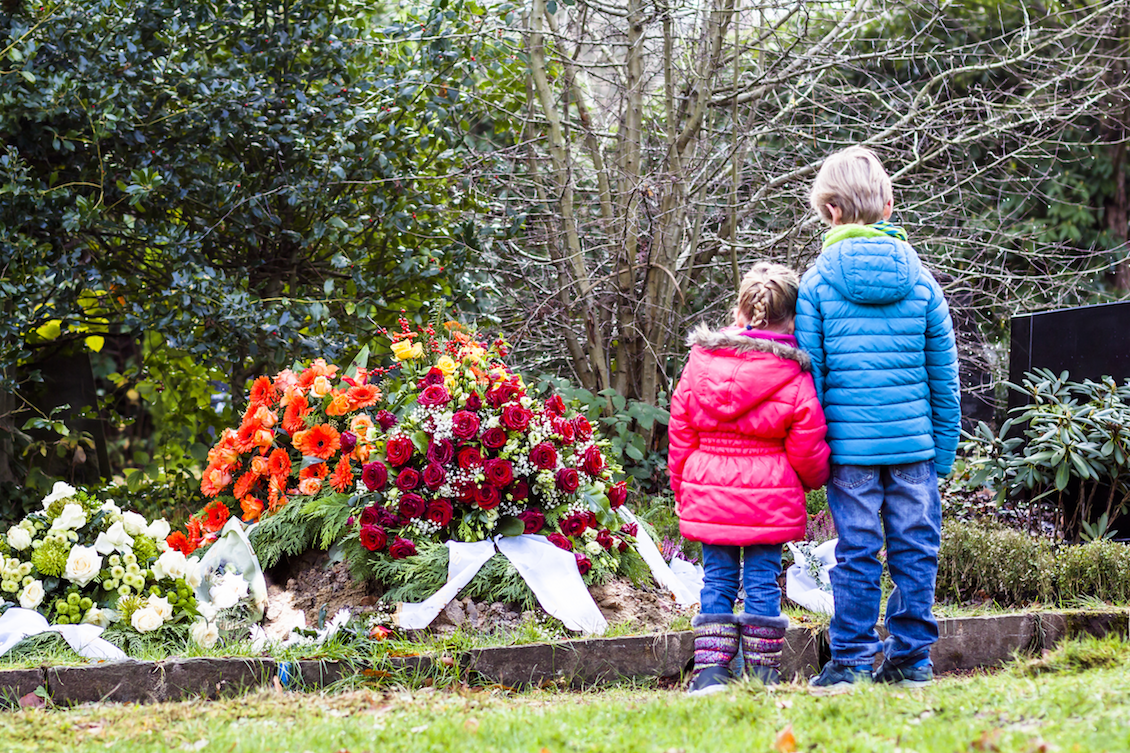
1081,655
1100,569
287,533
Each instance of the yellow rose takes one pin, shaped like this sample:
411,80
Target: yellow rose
405,349
417,350
446,364
321,387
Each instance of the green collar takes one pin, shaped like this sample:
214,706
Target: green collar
877,230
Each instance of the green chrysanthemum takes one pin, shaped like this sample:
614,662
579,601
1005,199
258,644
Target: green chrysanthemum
56,507
51,558
145,548
127,606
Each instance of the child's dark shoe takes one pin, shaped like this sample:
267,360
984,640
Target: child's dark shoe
838,678
907,674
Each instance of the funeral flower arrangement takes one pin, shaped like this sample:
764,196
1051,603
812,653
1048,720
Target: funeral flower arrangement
84,560
450,444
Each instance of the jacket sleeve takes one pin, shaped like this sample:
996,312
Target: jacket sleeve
810,330
942,375
682,439
804,445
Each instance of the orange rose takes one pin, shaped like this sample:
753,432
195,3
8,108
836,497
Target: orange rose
339,406
214,480
309,486
266,417
321,387
252,508
360,426
260,466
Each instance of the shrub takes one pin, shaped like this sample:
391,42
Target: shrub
978,561
1100,569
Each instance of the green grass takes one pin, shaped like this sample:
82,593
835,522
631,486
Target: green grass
1074,699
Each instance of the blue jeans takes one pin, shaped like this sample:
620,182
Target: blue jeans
722,571
903,502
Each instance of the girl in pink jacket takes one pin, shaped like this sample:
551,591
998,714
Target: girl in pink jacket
746,442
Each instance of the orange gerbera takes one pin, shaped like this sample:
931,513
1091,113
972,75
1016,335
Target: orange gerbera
214,480
343,476
320,441
244,484
340,405
245,435
263,393
252,508
364,395
278,465
294,419
315,470
216,513
180,543
275,497
195,531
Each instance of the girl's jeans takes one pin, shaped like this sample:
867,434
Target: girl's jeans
903,502
722,571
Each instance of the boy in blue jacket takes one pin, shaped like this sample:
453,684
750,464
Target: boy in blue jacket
884,361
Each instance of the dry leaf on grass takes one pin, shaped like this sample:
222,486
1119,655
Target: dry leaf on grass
785,742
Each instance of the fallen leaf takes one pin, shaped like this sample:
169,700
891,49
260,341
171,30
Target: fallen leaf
471,725
785,742
447,661
32,701
987,740
278,684
784,703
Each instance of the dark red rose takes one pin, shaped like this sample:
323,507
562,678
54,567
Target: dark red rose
604,538
560,541
373,537
487,497
630,529
555,406
574,524
469,457
408,479
515,417
544,456
500,394
593,462
621,545
401,548
348,441
369,516
467,494
412,505
464,424
618,494
590,518
399,450
388,518
494,439
518,490
441,452
584,564
434,476
564,430
374,475
498,472
433,394
568,480
440,511
582,428
432,378
385,419
474,402
532,519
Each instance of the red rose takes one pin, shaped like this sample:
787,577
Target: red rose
348,441
493,439
433,394
388,519
440,511
386,419
532,519
399,450
555,406
441,452
467,494
568,480
498,472
515,417
621,545
369,516
487,496
374,475
560,541
401,548
373,537
412,505
408,479
590,518
630,529
604,538
582,428
474,402
464,424
434,476
618,494
574,525
500,394
469,457
584,564
564,430
518,490
432,378
593,462
544,456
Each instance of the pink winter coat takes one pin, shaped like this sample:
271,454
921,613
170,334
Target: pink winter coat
746,439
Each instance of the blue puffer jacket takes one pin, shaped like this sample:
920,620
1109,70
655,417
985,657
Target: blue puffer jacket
884,361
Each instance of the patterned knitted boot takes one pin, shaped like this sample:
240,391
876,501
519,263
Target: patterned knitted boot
762,640
715,645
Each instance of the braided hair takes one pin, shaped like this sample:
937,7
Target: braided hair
767,296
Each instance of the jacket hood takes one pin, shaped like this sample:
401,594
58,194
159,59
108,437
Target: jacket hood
734,372
870,269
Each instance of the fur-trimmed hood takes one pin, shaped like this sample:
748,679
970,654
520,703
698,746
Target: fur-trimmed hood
734,339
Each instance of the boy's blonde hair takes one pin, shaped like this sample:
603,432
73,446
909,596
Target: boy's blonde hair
767,295
854,180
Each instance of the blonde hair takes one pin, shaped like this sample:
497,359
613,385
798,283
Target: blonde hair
767,295
853,180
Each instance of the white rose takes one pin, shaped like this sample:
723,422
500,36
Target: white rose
593,548
83,564
227,593
205,634
98,616
161,605
61,490
172,564
134,523
112,510
18,538
146,620
115,537
32,595
159,530
192,574
72,517
206,610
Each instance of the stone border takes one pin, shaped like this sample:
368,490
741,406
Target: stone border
964,643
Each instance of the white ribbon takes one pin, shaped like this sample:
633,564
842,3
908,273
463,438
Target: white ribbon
17,624
660,570
552,574
802,587
466,558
